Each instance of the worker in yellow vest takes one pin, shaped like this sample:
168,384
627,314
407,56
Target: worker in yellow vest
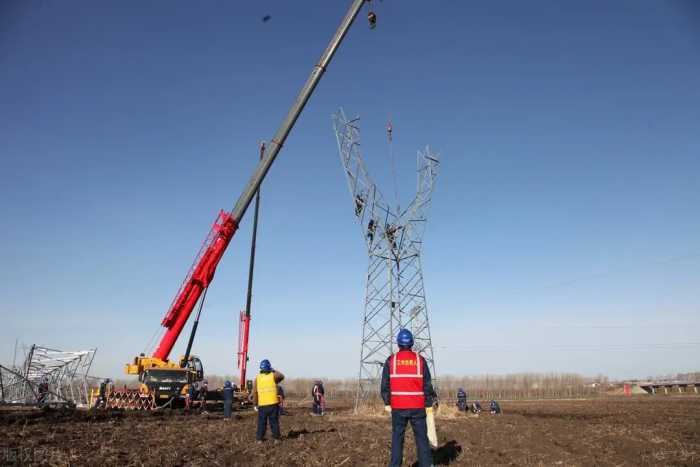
266,401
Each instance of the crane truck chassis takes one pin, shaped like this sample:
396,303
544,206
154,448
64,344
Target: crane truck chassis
161,378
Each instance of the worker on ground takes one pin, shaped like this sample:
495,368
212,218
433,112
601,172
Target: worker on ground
462,400
495,408
266,401
280,398
203,390
228,399
102,394
407,391
476,407
319,397
190,396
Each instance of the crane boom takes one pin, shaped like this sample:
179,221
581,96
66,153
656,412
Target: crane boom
226,224
196,281
280,137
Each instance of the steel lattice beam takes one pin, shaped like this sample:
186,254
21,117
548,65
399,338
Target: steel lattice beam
64,373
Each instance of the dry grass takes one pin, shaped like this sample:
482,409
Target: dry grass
451,412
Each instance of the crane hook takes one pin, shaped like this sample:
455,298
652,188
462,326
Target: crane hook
372,19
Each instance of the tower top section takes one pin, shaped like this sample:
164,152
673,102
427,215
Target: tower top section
402,229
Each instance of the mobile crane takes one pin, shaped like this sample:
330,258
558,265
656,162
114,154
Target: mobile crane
162,378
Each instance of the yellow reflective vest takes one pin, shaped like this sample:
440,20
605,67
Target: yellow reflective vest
267,389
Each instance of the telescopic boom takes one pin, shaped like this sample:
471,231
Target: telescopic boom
226,224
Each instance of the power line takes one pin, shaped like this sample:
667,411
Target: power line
389,132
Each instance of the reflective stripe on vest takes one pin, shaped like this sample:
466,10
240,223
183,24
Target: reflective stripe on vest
267,389
406,380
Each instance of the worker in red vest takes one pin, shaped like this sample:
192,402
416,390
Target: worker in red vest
407,391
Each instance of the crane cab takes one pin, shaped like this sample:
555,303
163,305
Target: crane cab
166,381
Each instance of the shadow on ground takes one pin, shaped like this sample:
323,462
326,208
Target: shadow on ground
445,454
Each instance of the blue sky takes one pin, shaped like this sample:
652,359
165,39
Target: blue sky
564,232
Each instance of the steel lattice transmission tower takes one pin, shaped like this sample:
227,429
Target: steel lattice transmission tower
395,297
65,373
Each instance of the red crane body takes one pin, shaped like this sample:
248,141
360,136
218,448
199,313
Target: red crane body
198,278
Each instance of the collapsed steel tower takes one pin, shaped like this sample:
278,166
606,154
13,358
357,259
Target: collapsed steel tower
395,297
48,376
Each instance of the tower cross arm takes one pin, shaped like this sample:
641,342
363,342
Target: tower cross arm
415,215
368,203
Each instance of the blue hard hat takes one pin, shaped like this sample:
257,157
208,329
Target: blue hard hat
265,365
405,338
227,384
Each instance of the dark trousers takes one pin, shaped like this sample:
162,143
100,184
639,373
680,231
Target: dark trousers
399,420
227,408
265,413
317,407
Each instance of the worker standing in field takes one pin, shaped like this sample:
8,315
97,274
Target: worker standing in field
203,390
102,394
266,401
462,400
228,399
319,396
189,398
407,391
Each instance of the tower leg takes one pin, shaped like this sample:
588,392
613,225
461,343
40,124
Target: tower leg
395,299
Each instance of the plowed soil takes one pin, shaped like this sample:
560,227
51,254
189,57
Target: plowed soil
653,430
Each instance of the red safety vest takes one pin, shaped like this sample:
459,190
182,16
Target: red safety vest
406,380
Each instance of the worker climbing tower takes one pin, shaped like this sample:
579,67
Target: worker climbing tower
394,297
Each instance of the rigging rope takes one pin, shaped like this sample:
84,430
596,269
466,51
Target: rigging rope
151,342
389,131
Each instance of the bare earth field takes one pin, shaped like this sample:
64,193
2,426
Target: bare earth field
658,430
